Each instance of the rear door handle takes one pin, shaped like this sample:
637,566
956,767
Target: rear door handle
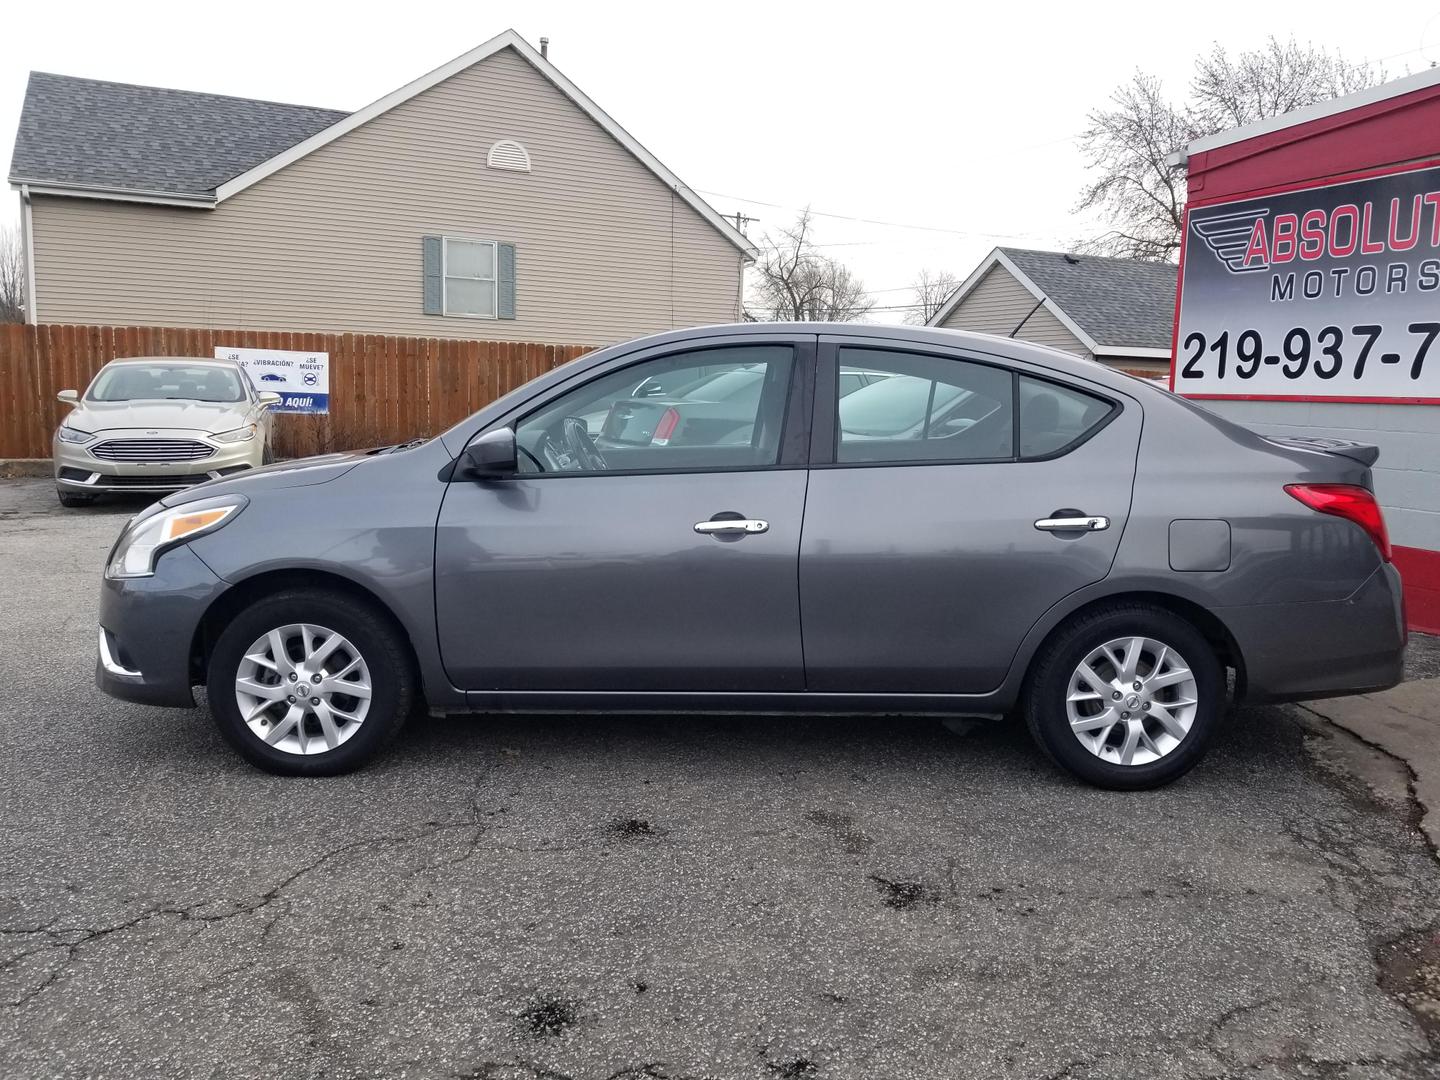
1091,523
748,525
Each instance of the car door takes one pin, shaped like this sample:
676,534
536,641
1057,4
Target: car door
930,544
650,543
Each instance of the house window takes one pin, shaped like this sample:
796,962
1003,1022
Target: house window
469,272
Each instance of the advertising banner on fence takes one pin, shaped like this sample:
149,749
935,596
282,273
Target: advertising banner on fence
1322,293
302,379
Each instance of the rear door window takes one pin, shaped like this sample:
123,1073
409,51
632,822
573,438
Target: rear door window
914,407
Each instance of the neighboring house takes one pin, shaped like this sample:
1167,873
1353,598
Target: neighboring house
487,199
1118,311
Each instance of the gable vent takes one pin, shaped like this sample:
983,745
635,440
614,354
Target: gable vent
508,154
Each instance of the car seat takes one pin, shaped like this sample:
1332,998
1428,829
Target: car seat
1039,422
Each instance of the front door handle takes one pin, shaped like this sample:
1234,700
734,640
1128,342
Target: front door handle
1088,523
746,525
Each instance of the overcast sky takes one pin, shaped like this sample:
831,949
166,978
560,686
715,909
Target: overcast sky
957,117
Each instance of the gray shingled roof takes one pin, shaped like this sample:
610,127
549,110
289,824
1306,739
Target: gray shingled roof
93,134
1118,302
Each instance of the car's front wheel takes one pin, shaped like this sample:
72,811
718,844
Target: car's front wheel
310,683
1126,697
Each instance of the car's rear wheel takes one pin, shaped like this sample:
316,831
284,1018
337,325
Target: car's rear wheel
310,683
1126,697
72,499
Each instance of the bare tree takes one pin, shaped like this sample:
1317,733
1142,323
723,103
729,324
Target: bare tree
1127,143
795,282
1134,189
12,276
1273,79
932,289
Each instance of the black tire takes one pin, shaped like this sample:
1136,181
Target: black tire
386,654
73,499
1045,697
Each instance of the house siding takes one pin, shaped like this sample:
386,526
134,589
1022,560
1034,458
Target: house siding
999,303
604,249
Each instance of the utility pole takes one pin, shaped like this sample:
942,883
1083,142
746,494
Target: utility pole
741,220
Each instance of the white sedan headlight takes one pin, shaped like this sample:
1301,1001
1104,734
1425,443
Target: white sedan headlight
150,534
73,435
239,434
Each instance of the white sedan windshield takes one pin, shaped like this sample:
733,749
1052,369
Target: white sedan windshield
163,382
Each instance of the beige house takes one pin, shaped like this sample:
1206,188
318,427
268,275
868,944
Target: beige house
1118,311
488,199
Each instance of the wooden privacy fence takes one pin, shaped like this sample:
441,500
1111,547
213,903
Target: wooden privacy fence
382,389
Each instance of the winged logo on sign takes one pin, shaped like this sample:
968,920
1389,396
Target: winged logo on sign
1228,236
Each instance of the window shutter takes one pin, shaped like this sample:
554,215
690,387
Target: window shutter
505,292
434,283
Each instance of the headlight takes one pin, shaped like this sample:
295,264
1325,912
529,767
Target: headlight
147,536
240,434
74,435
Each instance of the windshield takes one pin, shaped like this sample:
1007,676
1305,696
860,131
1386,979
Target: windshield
893,406
162,382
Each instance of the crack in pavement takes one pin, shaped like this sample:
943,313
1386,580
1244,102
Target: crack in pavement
1338,844
84,936
1411,778
529,1070
74,939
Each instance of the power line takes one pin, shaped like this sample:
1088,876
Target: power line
897,288
869,221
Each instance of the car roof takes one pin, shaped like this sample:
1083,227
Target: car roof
188,361
897,336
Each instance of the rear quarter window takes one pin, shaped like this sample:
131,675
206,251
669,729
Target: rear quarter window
1054,417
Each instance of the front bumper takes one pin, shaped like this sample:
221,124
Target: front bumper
77,469
147,629
1325,649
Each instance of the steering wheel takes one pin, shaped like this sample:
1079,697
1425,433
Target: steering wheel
575,451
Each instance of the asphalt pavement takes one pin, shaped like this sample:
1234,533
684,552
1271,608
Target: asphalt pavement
667,897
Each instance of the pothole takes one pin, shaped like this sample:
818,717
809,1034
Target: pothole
547,1017
1410,972
898,894
632,828
790,1070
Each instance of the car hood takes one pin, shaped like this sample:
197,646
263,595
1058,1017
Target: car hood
207,416
300,472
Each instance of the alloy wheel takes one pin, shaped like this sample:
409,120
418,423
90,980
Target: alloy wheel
303,689
1132,701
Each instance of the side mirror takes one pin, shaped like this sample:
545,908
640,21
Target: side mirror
69,397
491,456
269,398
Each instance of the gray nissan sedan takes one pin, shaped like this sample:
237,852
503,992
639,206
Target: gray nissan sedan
973,526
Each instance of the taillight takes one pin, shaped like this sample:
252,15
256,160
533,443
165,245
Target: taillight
669,420
1348,501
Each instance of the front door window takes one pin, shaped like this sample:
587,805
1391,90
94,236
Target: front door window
697,410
